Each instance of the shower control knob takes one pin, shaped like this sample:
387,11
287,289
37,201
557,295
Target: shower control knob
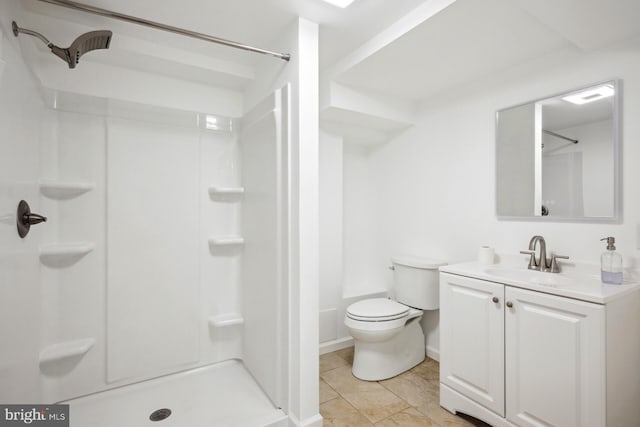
25,219
33,219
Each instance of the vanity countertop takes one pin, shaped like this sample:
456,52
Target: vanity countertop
579,282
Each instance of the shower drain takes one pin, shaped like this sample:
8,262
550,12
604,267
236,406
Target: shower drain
160,414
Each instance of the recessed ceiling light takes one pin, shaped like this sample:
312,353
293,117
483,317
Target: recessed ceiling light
211,122
590,95
340,3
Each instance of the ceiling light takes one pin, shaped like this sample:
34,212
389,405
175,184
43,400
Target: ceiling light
340,3
212,122
590,95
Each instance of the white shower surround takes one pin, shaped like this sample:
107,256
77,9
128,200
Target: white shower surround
294,362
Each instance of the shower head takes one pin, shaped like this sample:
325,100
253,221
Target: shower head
85,43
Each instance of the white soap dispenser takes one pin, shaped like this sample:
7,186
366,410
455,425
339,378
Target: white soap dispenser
611,263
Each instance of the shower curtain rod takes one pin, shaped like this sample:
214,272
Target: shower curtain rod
132,19
557,135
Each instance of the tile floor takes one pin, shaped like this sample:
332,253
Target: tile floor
409,400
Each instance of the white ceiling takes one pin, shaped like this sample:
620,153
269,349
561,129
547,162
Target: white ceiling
394,52
471,39
589,24
465,41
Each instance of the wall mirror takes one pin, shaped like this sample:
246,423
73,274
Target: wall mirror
557,158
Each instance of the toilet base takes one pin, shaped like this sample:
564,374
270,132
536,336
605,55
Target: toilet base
375,361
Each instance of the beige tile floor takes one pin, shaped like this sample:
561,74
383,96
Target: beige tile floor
409,400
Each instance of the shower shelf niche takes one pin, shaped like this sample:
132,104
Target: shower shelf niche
223,191
66,350
226,241
226,320
64,254
64,190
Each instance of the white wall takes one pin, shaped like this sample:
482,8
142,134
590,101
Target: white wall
597,165
330,240
136,86
435,186
516,158
22,118
301,73
347,271
361,277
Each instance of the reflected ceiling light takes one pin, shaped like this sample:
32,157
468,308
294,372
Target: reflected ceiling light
211,122
590,95
340,3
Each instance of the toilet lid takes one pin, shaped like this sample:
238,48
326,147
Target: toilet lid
377,309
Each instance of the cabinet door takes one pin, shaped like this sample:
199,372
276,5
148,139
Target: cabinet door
555,365
472,339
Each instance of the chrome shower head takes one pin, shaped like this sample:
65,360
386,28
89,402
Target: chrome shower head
85,43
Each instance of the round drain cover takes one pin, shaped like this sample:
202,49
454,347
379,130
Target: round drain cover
160,414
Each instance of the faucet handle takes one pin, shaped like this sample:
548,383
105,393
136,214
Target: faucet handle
533,265
555,268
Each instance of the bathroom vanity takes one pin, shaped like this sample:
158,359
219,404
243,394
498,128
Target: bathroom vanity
525,348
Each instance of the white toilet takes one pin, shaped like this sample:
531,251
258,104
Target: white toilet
387,334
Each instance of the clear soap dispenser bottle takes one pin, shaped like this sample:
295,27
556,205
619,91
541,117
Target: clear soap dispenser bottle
611,263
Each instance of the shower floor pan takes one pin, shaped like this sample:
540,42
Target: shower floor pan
223,394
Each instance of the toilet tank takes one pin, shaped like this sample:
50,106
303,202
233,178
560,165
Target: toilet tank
416,281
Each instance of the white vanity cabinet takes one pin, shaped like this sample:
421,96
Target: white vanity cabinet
513,356
472,339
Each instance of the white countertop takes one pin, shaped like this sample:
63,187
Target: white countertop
578,282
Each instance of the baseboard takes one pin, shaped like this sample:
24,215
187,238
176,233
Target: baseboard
433,353
339,344
314,421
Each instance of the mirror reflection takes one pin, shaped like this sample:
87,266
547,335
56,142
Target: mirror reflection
556,158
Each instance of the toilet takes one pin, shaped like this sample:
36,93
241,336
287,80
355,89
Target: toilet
387,335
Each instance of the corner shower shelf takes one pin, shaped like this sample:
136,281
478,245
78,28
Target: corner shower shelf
226,320
226,241
218,191
66,350
63,190
64,254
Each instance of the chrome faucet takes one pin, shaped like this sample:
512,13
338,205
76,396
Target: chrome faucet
542,259
542,263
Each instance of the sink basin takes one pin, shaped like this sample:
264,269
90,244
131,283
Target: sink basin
530,276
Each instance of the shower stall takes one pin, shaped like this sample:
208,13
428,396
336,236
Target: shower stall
167,281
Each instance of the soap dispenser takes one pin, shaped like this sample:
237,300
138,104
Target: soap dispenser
611,263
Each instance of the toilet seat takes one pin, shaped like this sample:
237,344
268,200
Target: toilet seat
377,310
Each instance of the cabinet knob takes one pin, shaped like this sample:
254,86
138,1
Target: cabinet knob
509,304
495,299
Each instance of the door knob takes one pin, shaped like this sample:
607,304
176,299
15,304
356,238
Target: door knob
509,304
495,299
25,218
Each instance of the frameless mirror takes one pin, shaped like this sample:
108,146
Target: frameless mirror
557,157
